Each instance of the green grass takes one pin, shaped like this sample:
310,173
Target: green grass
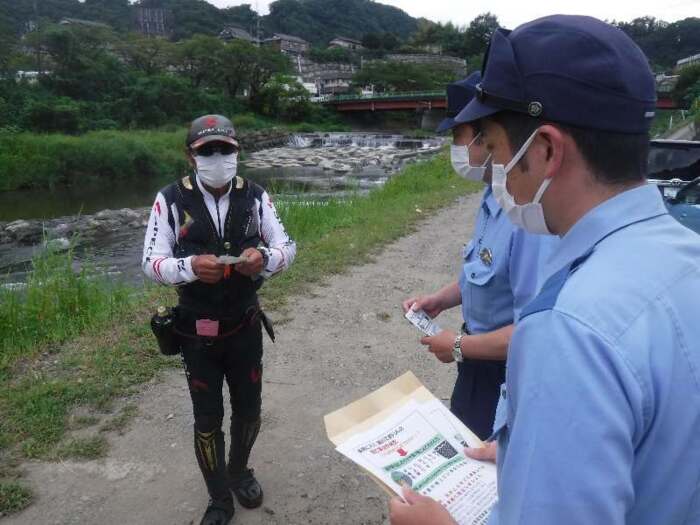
84,448
120,422
57,304
106,361
13,497
102,346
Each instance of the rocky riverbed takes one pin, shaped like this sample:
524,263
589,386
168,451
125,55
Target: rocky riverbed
342,154
318,165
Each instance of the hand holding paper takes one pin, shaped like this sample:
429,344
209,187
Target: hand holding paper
402,435
415,509
420,320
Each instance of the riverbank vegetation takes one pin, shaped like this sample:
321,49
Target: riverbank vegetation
73,345
44,160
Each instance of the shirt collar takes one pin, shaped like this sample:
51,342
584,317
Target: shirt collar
631,206
488,201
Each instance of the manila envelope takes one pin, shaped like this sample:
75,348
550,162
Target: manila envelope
362,414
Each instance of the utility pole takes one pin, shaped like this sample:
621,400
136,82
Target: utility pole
257,19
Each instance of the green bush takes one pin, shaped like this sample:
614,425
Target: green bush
44,160
61,115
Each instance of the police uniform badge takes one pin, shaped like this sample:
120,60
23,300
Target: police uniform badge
486,256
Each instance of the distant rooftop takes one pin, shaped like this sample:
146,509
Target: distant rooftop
291,38
688,60
236,32
345,39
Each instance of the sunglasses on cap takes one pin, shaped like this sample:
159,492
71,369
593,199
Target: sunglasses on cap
208,149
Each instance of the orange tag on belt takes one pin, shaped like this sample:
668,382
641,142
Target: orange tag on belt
207,327
227,271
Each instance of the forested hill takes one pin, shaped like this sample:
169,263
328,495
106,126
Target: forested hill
321,20
317,21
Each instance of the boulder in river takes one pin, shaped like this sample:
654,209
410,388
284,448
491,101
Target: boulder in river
25,232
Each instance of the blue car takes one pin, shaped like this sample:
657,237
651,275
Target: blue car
685,206
674,167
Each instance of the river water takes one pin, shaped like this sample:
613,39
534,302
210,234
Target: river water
311,166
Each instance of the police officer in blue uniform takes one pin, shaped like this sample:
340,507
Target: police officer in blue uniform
599,420
498,277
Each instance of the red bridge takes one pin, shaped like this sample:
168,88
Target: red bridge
422,100
415,100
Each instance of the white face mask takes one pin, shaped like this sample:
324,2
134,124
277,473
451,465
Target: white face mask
530,216
459,156
217,170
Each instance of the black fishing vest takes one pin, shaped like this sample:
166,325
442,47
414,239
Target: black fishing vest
229,298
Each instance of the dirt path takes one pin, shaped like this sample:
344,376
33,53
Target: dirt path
345,339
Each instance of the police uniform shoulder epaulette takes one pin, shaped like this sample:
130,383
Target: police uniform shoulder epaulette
549,293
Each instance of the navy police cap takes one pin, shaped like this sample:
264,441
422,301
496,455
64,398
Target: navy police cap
576,70
458,95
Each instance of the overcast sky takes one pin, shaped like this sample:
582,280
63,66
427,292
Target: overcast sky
511,13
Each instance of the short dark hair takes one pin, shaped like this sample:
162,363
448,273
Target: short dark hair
613,158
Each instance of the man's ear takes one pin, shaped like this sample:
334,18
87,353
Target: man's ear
190,157
552,146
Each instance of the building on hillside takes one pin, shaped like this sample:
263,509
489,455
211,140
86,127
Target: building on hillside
334,82
432,49
457,65
665,84
346,43
30,77
151,19
329,78
237,33
288,44
84,23
688,61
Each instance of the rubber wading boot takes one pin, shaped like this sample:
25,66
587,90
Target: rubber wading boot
219,512
243,483
209,448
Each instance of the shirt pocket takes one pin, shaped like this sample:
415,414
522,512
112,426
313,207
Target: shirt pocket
477,273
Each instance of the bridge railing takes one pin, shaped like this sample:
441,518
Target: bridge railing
404,95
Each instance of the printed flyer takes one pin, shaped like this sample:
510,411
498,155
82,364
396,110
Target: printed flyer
416,441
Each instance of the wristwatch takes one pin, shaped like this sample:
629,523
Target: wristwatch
265,255
457,349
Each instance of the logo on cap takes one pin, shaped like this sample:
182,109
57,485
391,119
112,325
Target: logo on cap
211,122
534,109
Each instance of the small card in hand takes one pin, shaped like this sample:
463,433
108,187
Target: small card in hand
231,259
420,320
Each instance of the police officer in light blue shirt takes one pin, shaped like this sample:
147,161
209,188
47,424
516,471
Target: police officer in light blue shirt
499,275
599,420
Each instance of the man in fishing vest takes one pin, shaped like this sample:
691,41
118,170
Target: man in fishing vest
217,237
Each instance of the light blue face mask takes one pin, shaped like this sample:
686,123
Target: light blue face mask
459,156
530,216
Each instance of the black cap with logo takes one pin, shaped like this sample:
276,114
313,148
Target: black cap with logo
210,128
